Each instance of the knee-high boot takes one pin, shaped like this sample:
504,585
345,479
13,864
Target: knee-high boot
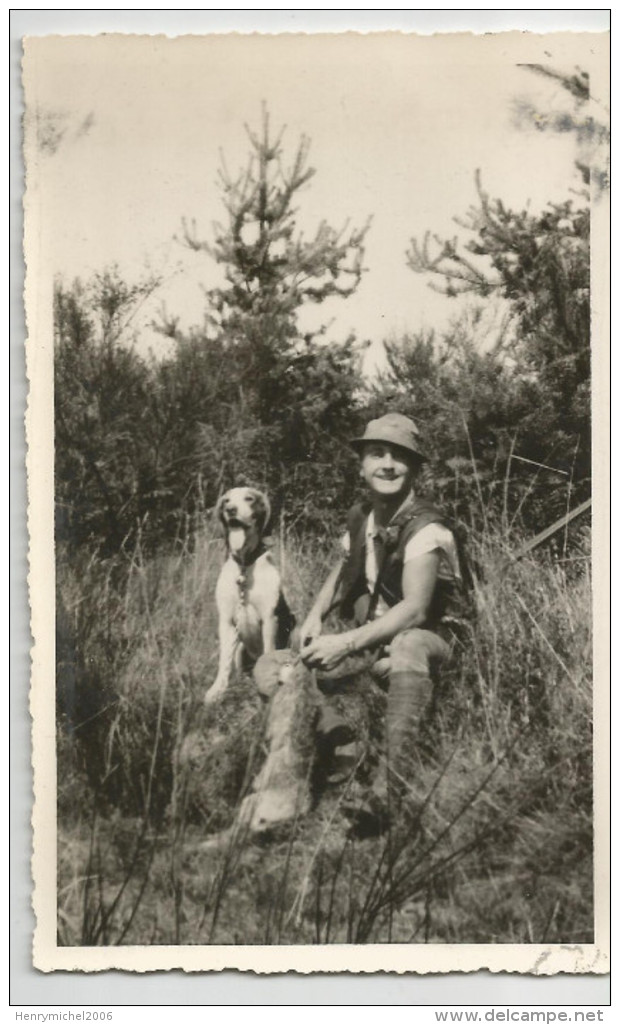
409,696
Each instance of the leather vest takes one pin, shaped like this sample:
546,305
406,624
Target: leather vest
398,533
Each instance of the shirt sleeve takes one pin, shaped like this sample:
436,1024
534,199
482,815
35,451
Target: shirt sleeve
345,543
432,538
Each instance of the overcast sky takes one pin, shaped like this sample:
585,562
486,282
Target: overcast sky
398,126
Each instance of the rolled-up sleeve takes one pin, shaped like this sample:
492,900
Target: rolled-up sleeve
432,538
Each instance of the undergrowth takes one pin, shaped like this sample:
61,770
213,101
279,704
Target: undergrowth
500,852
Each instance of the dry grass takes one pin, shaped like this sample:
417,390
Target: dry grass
501,849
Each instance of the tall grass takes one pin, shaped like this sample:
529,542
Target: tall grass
501,846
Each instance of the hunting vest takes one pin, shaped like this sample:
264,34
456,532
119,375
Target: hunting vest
394,538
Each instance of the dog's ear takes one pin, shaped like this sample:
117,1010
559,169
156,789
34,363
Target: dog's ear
262,509
219,509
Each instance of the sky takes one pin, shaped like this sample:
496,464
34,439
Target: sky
398,126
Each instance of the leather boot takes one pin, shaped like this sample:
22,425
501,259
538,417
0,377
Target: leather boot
409,696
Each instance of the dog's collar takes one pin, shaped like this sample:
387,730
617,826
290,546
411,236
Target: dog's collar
244,561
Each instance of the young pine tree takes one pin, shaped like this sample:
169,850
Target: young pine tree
295,396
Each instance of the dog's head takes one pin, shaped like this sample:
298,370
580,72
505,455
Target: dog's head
245,514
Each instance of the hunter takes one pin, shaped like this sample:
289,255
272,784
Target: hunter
395,582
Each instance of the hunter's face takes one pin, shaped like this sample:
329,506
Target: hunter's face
389,471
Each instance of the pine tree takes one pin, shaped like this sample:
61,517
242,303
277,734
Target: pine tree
541,265
105,464
271,269
290,396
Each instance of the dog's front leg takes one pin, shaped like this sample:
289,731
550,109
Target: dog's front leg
269,629
229,643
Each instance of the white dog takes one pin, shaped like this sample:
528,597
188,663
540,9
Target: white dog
253,614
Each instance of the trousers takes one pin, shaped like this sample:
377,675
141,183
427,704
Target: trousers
416,650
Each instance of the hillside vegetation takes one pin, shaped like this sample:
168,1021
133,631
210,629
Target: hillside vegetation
502,849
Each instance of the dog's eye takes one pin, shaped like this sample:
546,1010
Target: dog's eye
251,499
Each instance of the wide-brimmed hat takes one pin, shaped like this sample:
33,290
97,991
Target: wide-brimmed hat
397,430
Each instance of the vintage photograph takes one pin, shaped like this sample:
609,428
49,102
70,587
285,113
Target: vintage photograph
310,351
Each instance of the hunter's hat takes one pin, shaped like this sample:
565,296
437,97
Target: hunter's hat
397,430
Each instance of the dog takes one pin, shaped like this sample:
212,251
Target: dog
253,615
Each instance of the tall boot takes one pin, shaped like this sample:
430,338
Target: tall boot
409,696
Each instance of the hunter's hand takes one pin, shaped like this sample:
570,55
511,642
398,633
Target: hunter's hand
310,630
326,652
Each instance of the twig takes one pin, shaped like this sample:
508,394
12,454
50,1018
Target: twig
549,531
